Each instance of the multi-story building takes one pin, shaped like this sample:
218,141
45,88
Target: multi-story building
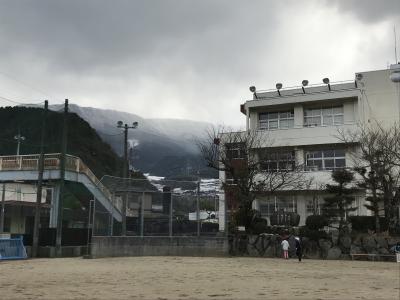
301,125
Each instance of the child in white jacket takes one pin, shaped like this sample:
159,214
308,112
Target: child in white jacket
285,248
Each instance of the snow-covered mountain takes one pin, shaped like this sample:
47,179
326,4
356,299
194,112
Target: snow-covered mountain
164,147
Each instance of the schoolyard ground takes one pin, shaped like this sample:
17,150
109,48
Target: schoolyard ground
197,278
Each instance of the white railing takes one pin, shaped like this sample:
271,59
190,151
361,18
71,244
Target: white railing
52,162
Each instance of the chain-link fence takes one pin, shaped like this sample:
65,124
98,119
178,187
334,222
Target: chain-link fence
158,207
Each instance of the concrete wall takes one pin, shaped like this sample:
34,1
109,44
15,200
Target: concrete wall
66,251
380,98
158,246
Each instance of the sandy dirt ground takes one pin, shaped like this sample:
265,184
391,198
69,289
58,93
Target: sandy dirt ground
197,278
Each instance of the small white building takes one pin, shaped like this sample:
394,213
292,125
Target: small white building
303,123
20,201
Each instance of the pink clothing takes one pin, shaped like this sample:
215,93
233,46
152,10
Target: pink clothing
285,248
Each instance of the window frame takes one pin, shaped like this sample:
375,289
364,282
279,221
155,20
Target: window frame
310,113
264,123
279,158
323,158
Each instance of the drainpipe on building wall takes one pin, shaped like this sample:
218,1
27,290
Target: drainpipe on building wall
247,120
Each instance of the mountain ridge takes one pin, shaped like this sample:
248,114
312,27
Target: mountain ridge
163,147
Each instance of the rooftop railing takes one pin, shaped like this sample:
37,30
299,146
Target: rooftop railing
308,90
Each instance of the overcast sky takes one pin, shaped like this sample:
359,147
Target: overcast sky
185,59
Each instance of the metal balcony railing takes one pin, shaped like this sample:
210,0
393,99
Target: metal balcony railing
52,162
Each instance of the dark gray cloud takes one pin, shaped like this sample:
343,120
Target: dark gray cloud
88,35
187,59
370,10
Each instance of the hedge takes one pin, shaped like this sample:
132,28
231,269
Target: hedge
316,222
365,223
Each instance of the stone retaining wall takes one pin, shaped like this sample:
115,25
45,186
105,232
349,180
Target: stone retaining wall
269,245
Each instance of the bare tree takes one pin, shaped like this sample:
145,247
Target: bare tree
252,166
376,158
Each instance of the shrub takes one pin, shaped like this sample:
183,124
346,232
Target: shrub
316,222
365,223
259,225
313,234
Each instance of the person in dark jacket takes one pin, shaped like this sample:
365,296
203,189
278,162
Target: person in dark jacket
299,251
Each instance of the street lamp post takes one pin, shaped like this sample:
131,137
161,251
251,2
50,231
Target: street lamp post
126,127
19,138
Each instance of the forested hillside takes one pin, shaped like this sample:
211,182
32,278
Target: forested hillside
83,141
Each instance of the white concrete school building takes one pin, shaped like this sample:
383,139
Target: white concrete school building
303,123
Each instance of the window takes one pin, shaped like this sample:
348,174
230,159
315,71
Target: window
276,120
313,206
278,203
325,159
49,196
323,116
235,151
278,161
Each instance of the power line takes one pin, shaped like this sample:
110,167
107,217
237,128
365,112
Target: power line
20,103
109,134
25,84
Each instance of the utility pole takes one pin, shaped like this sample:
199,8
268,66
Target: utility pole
19,139
62,179
3,202
126,127
36,225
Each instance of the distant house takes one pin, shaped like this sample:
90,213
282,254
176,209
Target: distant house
20,201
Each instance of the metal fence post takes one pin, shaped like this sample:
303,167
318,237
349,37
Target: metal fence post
142,215
171,206
94,217
198,208
112,214
124,203
90,226
3,201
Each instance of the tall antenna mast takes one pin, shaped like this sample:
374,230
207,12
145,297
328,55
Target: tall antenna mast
395,44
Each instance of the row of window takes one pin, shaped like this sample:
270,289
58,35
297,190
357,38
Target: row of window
323,116
331,159
289,204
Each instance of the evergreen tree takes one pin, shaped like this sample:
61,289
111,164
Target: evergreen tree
339,202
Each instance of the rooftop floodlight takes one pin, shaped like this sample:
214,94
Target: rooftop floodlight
120,124
395,72
253,90
135,124
326,81
278,87
304,83
395,77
